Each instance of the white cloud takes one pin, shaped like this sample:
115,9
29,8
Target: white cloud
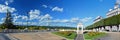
75,20
45,6
19,17
60,20
43,20
57,9
34,14
24,17
57,20
64,21
20,23
118,1
15,18
45,17
2,19
3,9
7,2
85,19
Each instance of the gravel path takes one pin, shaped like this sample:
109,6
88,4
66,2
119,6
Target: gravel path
111,36
79,37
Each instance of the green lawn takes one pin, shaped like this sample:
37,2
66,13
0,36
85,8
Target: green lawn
93,35
67,34
88,36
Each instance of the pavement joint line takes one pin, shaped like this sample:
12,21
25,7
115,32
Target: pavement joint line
58,36
11,37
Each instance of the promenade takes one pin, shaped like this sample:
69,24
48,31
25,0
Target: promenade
79,37
36,36
110,36
3,37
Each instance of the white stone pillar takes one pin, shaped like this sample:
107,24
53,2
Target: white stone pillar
102,28
105,27
94,30
99,29
119,27
114,28
108,28
80,26
78,29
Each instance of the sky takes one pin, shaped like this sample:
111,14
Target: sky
55,12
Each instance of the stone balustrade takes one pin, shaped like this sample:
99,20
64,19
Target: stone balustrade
114,28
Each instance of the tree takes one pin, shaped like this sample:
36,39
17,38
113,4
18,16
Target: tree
8,21
118,18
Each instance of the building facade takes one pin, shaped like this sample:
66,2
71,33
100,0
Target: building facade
115,11
98,18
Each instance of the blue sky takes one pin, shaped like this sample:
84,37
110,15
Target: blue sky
59,12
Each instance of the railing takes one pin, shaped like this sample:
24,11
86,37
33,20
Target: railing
23,31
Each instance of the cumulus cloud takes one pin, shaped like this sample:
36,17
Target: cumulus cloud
118,1
15,17
45,6
24,17
4,8
75,20
72,20
61,21
57,9
64,21
2,19
34,14
19,17
45,17
85,19
7,2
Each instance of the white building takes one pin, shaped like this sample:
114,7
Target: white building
98,18
115,11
